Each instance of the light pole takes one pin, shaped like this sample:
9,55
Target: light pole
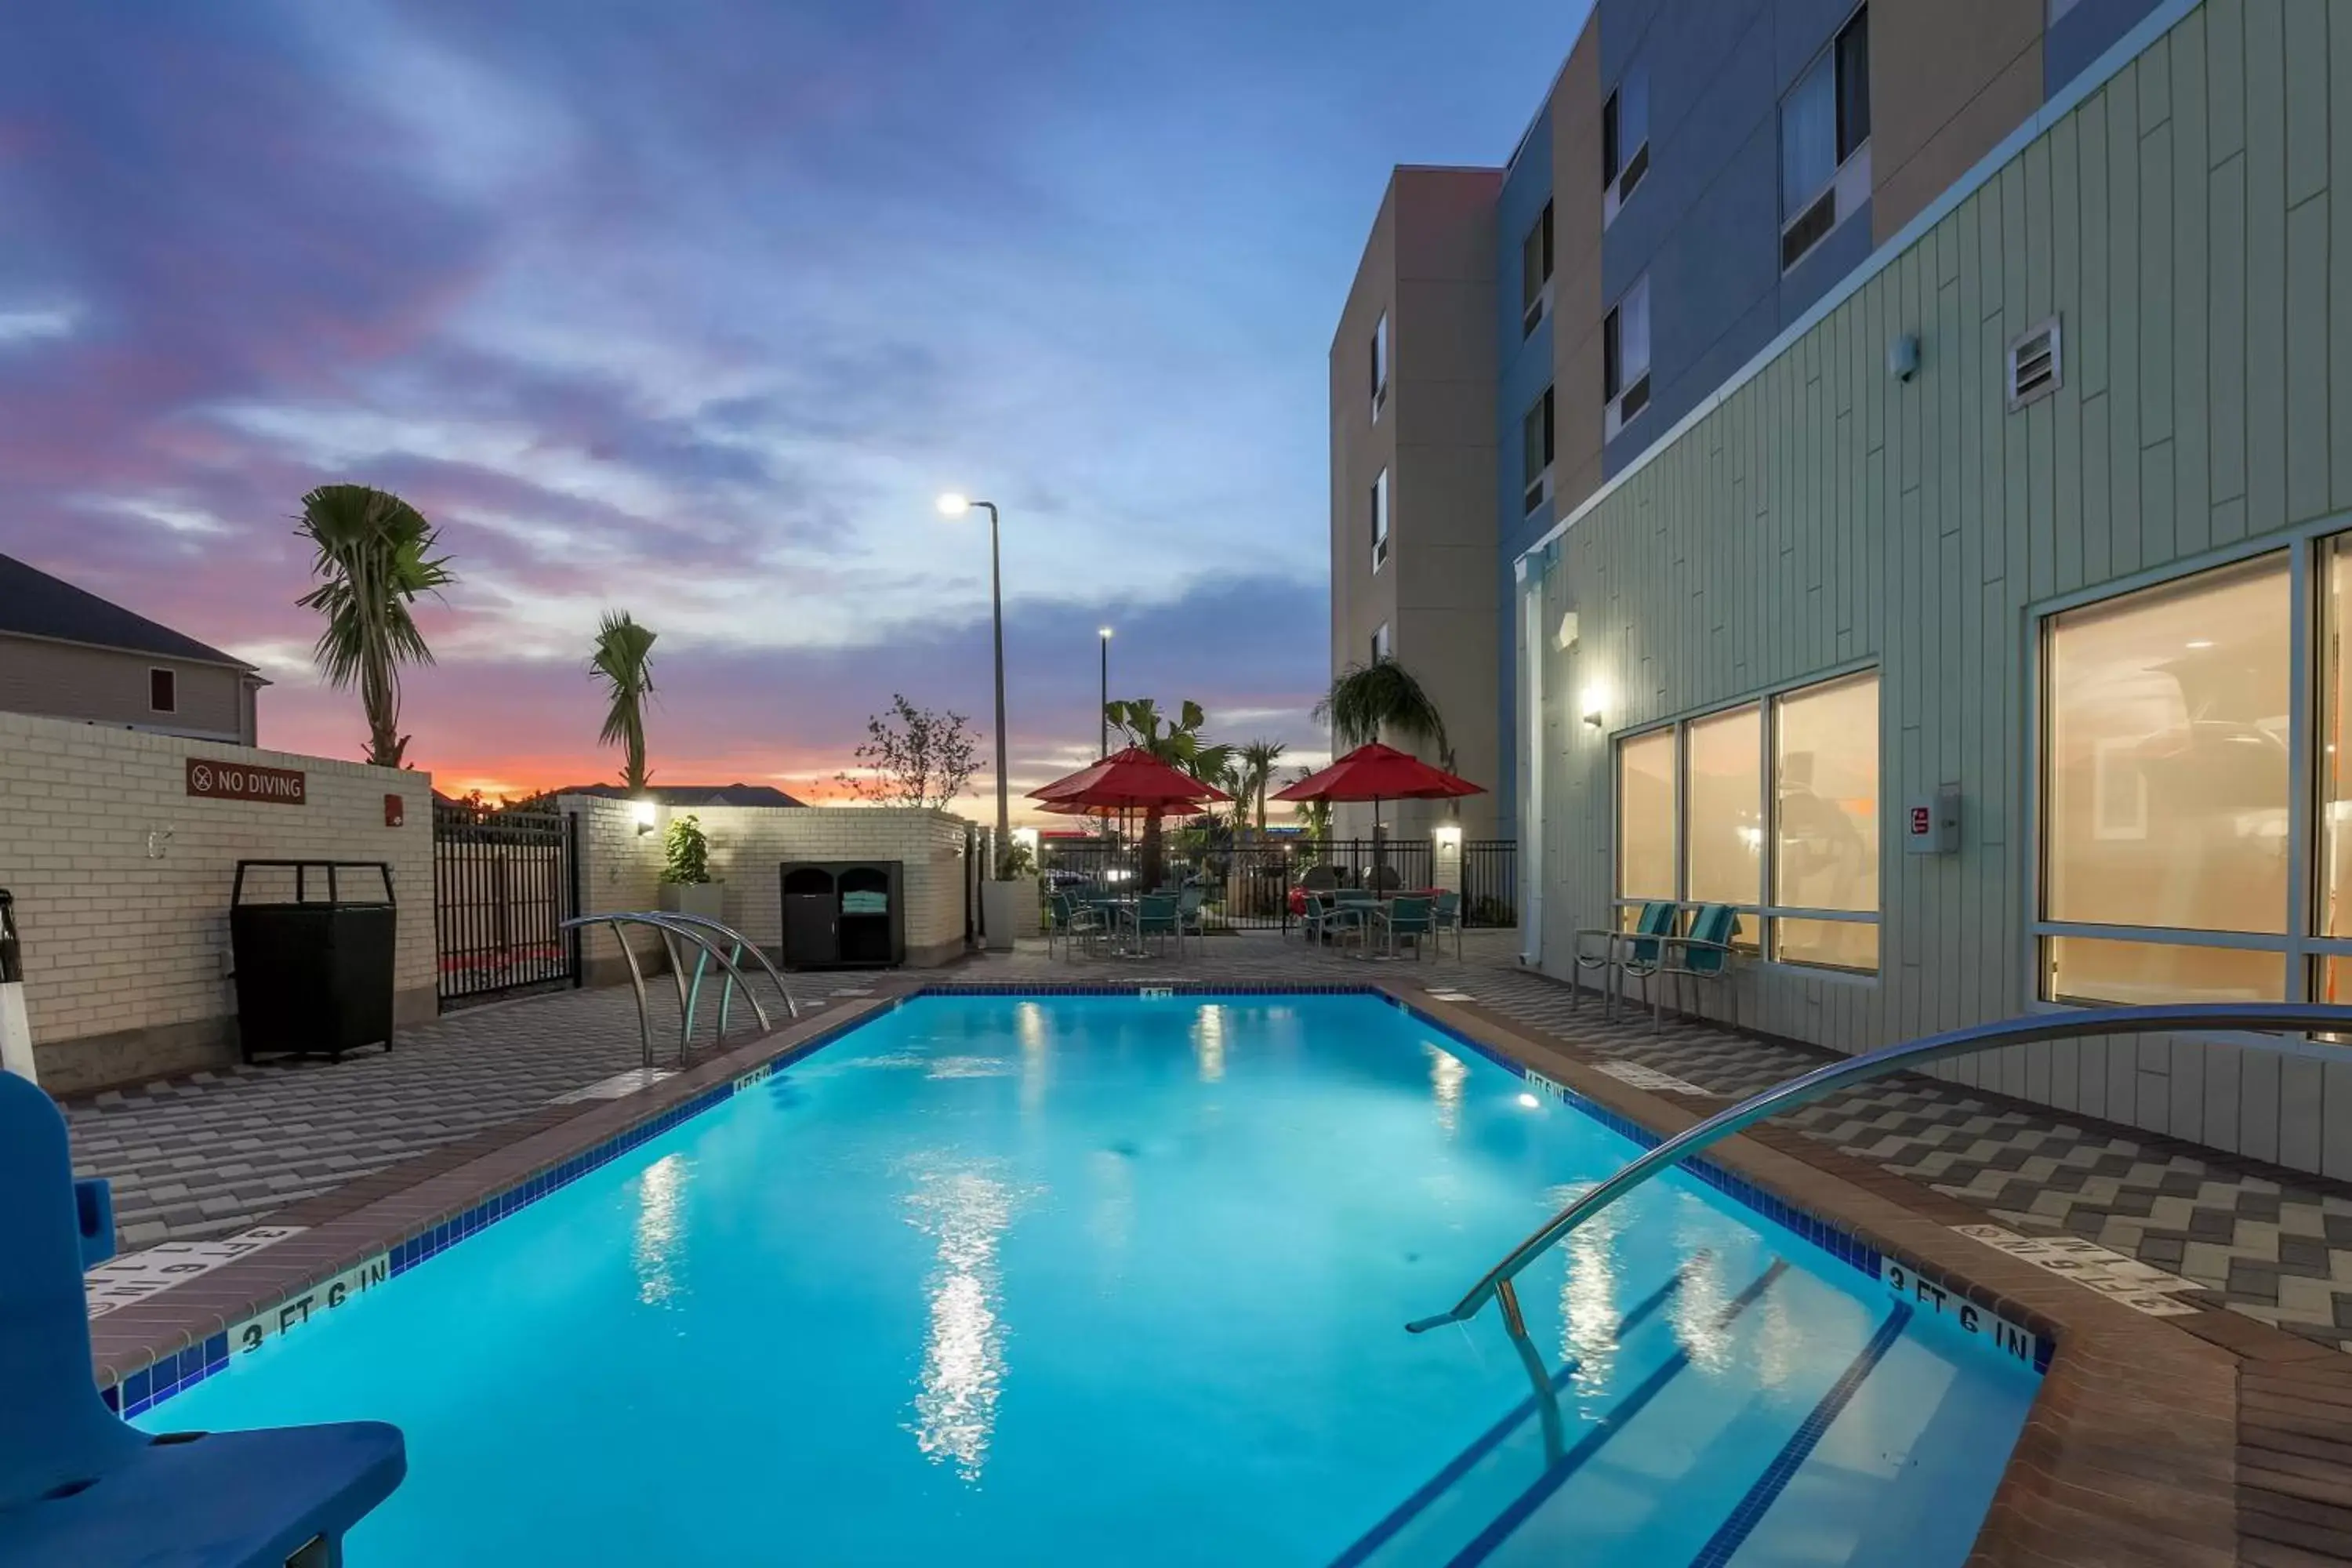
1104,711
954,505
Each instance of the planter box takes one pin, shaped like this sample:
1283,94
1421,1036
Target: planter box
1008,909
705,900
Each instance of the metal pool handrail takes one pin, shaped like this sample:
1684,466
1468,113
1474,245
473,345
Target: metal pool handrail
743,944
670,931
2302,1017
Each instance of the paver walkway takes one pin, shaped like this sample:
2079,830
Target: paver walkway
211,1155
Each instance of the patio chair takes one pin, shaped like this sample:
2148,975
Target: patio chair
1074,921
1161,915
1187,907
77,1484
1448,916
1622,954
1409,917
1701,956
1327,918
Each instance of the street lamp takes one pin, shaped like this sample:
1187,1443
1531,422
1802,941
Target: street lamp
954,505
1105,709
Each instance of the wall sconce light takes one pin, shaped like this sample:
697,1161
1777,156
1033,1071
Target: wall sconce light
1595,704
641,813
1565,639
1903,356
1448,836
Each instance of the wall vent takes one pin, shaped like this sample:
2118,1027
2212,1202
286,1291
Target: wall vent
2035,369
1810,228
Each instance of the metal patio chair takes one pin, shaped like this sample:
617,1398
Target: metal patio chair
1621,953
1159,915
1448,916
1408,917
1701,956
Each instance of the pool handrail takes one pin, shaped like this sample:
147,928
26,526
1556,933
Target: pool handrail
2299,1017
662,922
742,945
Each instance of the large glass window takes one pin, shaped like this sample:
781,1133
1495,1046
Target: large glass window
1380,363
1825,118
1381,520
1535,272
1697,823
1535,451
2166,785
1625,136
1825,821
1645,816
1724,852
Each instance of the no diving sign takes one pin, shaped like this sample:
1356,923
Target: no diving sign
209,779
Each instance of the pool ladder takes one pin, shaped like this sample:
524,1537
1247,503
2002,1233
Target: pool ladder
1496,1285
701,932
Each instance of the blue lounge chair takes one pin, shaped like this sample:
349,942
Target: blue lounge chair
1635,953
1703,955
79,1486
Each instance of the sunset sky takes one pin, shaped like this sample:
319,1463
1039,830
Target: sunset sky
690,309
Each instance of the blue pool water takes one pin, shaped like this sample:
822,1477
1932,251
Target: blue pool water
1093,1279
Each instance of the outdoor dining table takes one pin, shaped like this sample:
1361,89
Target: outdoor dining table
1118,911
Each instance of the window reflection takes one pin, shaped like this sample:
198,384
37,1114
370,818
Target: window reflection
1825,789
2335,762
1726,849
2167,761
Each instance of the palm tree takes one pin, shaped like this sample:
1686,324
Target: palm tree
375,557
622,662
1258,758
1314,814
1382,699
1176,742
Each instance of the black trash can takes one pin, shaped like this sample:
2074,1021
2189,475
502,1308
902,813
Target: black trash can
314,975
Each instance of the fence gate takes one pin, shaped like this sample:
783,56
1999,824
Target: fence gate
503,884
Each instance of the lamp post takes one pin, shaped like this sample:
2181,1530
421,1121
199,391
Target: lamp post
1103,711
954,505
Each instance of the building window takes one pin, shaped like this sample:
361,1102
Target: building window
1724,855
1624,141
1647,797
162,691
1381,649
1381,520
1625,357
1535,451
1380,365
1825,823
1535,273
2166,780
1824,124
1699,824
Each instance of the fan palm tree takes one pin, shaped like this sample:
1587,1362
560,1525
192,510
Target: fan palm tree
375,556
1177,743
1382,699
1257,761
622,662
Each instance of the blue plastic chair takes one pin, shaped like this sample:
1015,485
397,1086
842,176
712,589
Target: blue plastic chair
1409,917
1159,914
1449,919
79,1486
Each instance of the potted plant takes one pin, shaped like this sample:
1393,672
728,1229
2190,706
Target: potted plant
1008,906
686,888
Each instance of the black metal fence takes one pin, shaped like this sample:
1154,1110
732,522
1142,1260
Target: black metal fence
503,884
1261,886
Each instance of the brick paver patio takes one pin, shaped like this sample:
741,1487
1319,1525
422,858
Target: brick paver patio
214,1153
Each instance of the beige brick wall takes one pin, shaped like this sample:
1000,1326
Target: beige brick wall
621,869
122,886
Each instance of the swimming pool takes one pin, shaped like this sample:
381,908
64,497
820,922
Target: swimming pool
1004,1280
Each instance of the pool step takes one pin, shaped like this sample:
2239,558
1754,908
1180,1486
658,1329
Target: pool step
1504,1471
1670,1467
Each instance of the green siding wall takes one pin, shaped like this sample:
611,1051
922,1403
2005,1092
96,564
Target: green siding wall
2179,222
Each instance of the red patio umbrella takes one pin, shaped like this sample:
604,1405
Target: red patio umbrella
1376,772
1133,777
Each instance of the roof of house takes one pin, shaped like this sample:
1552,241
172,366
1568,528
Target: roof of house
34,604
690,794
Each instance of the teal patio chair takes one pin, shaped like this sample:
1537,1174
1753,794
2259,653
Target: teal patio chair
1159,914
1634,954
1409,917
1702,956
1327,918
1448,916
1187,907
1073,921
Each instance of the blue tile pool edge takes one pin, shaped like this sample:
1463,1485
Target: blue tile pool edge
148,1386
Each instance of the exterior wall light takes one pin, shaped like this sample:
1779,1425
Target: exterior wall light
1595,704
641,812
1448,836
